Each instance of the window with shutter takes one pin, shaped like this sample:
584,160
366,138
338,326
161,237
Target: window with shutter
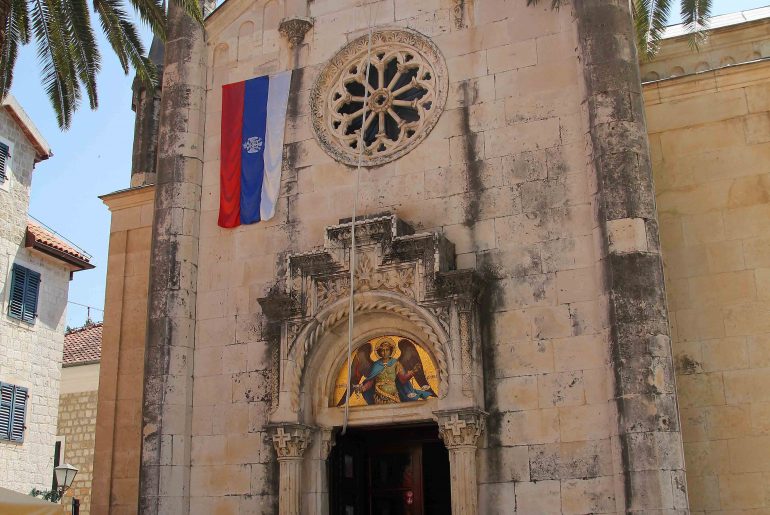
6,408
25,288
5,158
13,412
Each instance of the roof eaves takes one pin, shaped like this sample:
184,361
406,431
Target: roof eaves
42,148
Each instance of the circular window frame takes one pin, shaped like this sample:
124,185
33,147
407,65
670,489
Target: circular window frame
349,55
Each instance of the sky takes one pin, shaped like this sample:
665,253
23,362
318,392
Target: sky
94,157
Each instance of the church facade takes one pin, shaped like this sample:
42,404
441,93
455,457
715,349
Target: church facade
510,348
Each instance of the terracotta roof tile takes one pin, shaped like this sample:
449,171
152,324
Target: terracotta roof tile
83,345
38,236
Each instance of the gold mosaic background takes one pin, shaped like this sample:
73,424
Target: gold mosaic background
356,399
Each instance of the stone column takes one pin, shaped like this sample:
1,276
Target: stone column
649,433
290,442
164,475
460,430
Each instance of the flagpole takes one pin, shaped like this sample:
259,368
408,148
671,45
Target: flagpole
351,306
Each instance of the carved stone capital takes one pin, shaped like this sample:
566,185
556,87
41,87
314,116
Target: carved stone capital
290,440
461,427
328,439
294,29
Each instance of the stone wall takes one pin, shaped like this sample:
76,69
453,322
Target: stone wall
119,417
506,176
710,139
30,355
77,424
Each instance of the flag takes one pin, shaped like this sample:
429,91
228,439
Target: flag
251,151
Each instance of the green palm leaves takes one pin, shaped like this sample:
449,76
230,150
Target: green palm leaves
66,44
650,21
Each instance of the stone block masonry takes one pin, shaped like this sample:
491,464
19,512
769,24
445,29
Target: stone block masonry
77,424
30,354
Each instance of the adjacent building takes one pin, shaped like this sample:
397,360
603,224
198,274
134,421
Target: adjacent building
36,265
515,347
78,399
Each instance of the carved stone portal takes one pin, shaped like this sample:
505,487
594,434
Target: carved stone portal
405,284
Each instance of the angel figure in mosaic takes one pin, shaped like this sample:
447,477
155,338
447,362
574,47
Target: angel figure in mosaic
388,379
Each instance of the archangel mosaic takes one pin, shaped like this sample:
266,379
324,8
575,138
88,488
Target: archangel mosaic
384,370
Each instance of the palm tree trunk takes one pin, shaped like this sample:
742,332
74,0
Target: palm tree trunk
164,485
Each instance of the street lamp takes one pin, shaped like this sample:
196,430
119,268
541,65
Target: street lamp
65,474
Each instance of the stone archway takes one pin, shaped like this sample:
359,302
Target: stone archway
404,282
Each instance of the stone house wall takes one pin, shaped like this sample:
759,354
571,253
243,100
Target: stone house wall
30,355
77,424
710,141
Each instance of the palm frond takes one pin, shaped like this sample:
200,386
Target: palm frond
124,39
15,31
83,49
695,18
59,77
152,13
650,22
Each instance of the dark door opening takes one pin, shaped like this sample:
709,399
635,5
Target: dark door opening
390,471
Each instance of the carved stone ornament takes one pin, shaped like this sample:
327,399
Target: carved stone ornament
405,95
461,428
290,440
294,30
328,439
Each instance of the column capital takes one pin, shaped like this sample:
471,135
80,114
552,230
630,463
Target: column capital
328,439
290,440
294,29
461,427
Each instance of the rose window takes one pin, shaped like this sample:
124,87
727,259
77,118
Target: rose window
396,107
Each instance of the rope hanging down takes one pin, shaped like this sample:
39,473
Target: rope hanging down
361,145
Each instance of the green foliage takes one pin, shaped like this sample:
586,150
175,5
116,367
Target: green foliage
650,21
66,44
46,495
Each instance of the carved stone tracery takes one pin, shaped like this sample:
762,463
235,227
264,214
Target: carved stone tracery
404,95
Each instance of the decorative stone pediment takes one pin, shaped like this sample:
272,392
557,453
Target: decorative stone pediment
399,274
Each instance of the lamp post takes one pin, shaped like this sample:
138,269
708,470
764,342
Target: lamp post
65,474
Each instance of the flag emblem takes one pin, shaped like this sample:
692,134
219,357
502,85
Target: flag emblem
251,149
253,145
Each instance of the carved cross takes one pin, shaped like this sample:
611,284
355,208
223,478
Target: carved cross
281,438
455,425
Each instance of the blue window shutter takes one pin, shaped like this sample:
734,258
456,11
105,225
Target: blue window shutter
6,408
18,279
5,158
31,290
19,414
25,289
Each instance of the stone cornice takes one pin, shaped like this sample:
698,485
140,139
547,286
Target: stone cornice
720,79
130,197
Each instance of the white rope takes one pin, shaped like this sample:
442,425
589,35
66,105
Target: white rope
361,144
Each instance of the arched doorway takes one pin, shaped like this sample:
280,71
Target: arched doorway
408,293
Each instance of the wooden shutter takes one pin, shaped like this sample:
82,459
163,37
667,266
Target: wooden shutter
5,158
25,288
31,290
6,408
18,279
19,414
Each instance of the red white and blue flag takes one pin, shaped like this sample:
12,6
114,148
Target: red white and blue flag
253,121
